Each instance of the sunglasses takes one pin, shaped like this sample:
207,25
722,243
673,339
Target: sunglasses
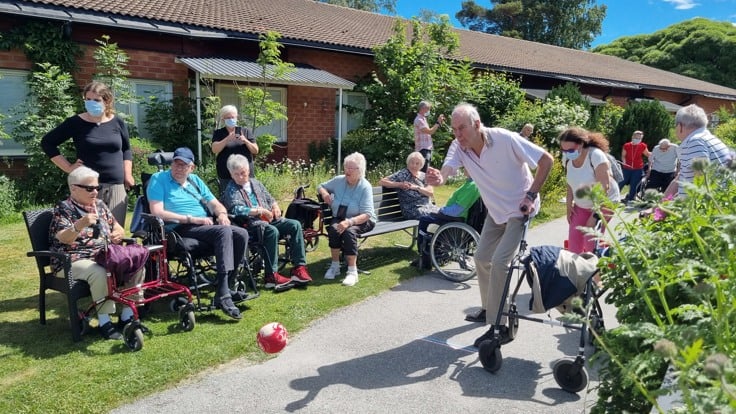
89,188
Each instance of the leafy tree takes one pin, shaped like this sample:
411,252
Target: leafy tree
48,104
570,93
648,116
566,23
172,123
700,48
110,62
375,6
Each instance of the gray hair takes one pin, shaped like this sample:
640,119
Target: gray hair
467,110
664,141
359,160
226,110
424,104
416,154
691,116
237,162
80,174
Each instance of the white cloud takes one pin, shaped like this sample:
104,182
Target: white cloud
683,4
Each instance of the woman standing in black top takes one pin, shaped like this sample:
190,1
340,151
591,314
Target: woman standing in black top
102,144
232,139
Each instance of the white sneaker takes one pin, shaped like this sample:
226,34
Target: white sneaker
351,278
332,272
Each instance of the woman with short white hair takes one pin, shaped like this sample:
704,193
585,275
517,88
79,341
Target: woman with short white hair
411,188
350,196
232,139
663,163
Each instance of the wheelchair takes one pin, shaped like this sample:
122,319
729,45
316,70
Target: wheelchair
452,245
156,286
190,261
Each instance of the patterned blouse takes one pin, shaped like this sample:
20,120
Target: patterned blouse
90,241
413,203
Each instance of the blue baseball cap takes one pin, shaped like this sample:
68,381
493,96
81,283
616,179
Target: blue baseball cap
184,154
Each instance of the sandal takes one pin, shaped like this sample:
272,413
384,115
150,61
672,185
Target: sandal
228,307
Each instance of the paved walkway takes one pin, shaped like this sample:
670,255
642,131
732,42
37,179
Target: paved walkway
405,351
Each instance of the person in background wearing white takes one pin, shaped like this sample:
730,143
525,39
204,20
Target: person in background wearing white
663,163
423,132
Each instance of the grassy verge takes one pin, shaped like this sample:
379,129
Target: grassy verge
42,370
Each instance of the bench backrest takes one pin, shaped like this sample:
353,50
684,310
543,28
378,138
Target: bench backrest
385,203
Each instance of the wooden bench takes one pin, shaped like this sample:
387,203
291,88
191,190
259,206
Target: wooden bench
388,214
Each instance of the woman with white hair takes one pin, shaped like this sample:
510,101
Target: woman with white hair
663,163
232,139
411,188
350,196
82,227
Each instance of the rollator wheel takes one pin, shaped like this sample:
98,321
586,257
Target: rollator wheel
513,322
133,337
311,243
186,318
570,375
489,353
177,303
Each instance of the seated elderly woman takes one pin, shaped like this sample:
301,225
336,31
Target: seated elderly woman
82,226
411,188
350,196
253,206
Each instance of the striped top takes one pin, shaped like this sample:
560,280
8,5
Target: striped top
700,144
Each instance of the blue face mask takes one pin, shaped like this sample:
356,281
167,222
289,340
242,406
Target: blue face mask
231,122
94,108
572,156
635,141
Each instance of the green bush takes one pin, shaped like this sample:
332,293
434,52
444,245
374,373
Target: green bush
672,278
9,200
726,131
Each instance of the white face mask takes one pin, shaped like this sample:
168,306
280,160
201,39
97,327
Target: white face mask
635,141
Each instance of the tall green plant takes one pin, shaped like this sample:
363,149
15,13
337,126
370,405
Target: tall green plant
172,123
47,106
110,64
672,278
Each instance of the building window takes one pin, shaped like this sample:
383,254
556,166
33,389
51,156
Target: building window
228,94
144,90
14,87
353,106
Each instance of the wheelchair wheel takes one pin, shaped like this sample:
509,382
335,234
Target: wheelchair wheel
186,317
452,249
177,303
570,375
311,243
133,336
489,353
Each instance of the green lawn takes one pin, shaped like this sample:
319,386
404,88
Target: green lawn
42,370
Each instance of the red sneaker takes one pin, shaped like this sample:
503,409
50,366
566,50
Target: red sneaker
300,274
276,281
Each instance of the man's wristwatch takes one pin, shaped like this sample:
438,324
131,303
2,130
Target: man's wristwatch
531,195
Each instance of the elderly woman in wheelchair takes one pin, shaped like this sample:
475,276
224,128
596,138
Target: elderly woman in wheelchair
253,207
82,226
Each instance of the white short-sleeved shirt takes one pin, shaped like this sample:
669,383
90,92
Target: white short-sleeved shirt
502,172
700,144
664,161
422,140
585,176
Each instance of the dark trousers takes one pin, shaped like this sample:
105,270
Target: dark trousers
632,178
427,154
348,240
659,180
229,244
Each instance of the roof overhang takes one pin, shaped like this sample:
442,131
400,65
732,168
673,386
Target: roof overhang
250,71
542,94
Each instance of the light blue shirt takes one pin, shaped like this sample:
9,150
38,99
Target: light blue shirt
177,198
357,198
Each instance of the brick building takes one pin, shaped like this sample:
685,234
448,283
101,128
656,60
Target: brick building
171,44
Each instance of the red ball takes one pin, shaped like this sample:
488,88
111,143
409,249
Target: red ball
272,337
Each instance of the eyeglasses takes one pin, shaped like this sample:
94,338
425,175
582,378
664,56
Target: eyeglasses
89,188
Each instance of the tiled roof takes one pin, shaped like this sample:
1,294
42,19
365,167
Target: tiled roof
325,25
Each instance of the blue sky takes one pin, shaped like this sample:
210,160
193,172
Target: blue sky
623,17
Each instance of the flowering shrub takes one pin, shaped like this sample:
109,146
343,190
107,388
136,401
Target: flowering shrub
672,278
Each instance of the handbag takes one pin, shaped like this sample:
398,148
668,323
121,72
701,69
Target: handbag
123,260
